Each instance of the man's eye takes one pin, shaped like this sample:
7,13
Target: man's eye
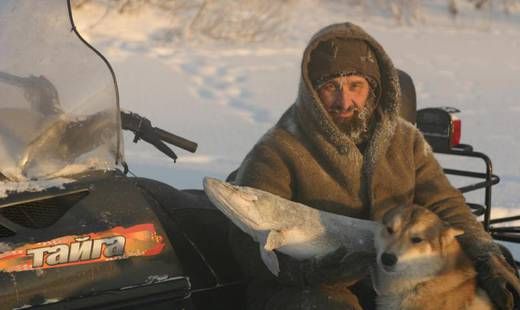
356,86
329,87
390,230
416,239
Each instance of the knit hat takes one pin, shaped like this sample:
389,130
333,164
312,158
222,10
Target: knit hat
340,57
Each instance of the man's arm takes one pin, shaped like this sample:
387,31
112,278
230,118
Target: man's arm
263,168
434,191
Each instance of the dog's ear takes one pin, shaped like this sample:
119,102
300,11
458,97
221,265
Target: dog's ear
449,234
390,213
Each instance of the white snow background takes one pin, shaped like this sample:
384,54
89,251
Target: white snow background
225,94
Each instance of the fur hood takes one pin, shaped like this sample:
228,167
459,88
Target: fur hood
309,108
308,142
318,128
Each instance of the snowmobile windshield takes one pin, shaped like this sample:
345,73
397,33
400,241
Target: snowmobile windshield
59,114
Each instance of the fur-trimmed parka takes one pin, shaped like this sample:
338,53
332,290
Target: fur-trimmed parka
306,158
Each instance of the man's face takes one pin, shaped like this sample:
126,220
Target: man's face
347,100
343,96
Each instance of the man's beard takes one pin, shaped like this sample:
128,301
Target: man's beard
357,126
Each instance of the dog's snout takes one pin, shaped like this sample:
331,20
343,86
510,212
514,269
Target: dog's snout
388,259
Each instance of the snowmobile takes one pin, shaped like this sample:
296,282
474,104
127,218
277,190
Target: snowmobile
75,231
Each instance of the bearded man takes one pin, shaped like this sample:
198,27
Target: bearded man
342,148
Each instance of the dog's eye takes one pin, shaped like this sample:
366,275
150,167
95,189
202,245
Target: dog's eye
390,230
416,239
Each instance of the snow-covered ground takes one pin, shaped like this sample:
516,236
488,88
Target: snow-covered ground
224,95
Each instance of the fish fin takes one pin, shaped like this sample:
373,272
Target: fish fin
375,279
274,240
270,260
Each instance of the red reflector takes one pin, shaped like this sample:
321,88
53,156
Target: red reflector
455,130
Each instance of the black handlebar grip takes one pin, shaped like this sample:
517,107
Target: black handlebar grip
185,144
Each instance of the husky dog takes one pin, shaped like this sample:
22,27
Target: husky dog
420,264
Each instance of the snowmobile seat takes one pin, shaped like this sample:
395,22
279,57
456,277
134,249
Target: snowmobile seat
408,103
199,234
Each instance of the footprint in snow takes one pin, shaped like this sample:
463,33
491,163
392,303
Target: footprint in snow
220,85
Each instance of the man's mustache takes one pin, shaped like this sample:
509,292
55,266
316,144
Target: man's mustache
339,110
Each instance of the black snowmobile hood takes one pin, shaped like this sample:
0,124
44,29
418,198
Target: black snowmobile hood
59,113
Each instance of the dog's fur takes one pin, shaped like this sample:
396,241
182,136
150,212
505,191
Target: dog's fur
420,264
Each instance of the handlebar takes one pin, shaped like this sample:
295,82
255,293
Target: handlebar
172,139
143,129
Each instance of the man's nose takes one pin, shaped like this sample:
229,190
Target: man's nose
345,100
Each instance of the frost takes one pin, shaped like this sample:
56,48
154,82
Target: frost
7,188
153,279
4,247
156,279
46,302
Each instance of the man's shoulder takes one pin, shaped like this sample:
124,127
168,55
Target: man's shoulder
409,137
278,138
406,129
405,125
286,130
406,135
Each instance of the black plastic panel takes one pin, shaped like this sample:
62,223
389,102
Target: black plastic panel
113,201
